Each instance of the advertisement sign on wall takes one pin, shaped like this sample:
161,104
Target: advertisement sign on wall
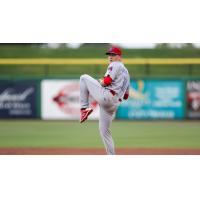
60,100
17,99
193,99
154,99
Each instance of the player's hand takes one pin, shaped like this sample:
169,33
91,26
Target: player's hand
126,95
102,82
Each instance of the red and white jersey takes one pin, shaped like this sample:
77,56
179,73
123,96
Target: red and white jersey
120,78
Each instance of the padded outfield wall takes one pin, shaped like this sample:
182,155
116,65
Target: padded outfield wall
58,99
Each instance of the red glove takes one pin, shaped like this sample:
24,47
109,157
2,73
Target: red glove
107,80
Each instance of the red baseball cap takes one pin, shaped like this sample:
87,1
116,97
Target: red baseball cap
114,50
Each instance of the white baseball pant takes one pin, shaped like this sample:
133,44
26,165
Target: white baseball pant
108,106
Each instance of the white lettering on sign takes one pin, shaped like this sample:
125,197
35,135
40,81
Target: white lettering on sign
167,92
10,95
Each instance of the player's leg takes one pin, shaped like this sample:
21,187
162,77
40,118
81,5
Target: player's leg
104,125
89,85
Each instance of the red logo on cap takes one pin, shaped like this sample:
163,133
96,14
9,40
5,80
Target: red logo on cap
114,50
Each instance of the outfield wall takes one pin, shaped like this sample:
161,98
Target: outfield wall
58,99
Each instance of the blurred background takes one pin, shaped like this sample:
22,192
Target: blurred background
165,79
41,81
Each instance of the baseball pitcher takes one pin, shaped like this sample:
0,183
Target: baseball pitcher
109,91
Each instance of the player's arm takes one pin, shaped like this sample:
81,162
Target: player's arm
126,95
109,75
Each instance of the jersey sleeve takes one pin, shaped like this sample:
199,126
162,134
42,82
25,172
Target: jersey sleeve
112,70
126,95
127,89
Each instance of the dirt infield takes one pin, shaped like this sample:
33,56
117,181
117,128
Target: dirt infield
93,151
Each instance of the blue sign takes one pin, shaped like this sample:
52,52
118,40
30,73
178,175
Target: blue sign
154,99
17,99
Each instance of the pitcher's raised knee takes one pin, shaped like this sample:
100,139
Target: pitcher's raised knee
84,76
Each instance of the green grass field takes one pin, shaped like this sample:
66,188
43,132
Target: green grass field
126,134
